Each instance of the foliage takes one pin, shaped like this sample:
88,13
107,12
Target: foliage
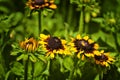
98,19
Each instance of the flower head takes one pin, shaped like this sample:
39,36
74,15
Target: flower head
103,58
53,45
40,4
29,44
84,46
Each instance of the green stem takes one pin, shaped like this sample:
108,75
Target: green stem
39,21
26,69
86,28
101,76
66,31
32,72
81,23
71,76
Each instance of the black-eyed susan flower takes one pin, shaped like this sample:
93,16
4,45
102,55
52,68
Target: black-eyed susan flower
103,58
29,44
26,50
84,46
53,45
40,4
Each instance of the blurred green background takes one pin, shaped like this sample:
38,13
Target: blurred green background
101,21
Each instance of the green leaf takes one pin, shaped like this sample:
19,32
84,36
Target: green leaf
20,57
118,38
98,20
108,38
46,72
61,64
15,45
25,57
113,54
40,66
95,36
78,71
4,9
68,63
42,58
2,70
54,65
14,53
4,26
7,75
33,58
17,17
102,36
17,69
97,77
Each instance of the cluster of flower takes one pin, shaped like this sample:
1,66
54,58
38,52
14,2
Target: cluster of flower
81,47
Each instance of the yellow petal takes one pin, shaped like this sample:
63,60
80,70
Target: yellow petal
52,55
89,54
97,53
63,41
83,57
86,38
102,51
51,1
78,36
90,41
43,36
78,55
96,46
53,6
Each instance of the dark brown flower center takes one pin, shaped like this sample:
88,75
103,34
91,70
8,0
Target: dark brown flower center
39,2
54,43
101,58
29,42
84,45
89,48
78,44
